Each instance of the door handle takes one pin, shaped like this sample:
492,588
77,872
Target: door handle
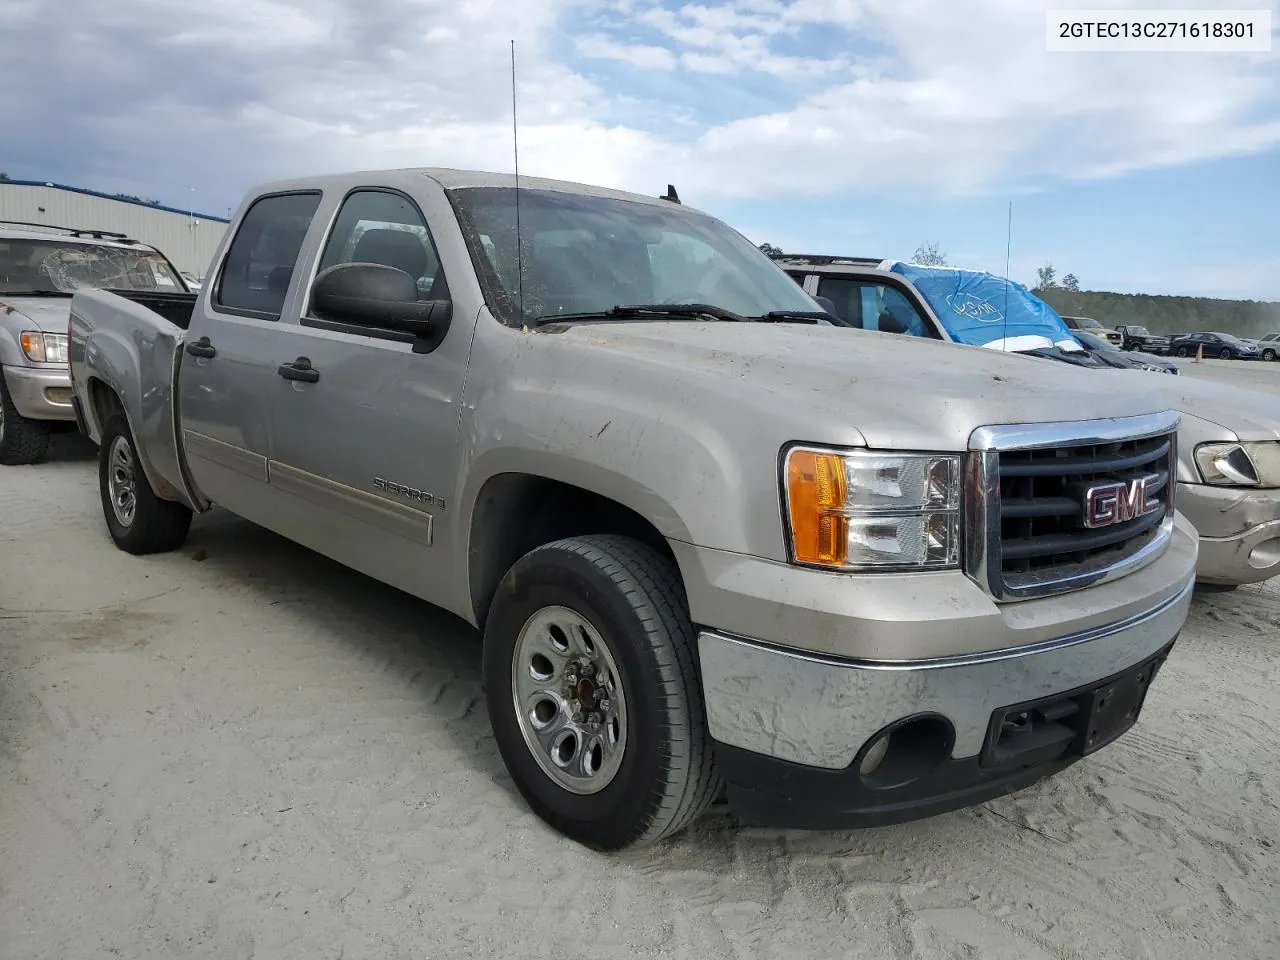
202,348
300,369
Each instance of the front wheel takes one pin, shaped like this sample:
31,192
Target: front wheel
1224,353
138,521
593,691
22,440
1268,355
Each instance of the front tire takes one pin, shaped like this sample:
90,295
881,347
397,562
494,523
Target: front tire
593,692
139,522
1268,355
22,440
1224,353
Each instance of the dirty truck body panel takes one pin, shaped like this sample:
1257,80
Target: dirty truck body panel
397,453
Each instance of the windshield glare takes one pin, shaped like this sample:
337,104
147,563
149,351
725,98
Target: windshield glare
64,266
583,254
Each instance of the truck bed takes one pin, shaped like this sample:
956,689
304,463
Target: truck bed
174,307
125,348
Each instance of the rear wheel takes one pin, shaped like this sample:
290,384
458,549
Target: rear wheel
1224,353
593,691
138,521
22,440
1182,352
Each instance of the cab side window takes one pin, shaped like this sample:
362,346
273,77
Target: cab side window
262,256
874,306
377,226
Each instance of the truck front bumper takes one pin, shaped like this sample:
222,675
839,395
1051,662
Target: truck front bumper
1239,532
811,739
40,393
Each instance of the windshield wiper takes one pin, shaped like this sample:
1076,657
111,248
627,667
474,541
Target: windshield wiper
795,316
629,310
34,293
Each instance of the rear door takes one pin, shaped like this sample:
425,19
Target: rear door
228,373
367,452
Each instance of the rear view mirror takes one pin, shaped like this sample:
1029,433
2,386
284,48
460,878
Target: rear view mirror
375,295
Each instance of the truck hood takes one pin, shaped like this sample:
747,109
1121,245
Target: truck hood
49,314
896,392
1249,414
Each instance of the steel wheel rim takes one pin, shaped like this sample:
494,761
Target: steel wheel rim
577,736
121,484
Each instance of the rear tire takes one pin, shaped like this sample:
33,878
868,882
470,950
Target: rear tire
1182,352
139,522
1224,353
639,765
22,440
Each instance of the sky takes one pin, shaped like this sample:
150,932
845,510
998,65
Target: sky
856,127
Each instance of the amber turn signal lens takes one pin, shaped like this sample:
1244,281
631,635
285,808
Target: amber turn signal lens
816,493
32,345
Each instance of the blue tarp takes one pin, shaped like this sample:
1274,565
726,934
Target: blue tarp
984,310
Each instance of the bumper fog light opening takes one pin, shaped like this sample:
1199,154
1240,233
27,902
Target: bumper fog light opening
905,751
1265,555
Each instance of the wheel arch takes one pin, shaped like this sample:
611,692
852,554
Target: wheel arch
515,512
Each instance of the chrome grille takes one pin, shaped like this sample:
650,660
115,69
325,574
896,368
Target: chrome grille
1055,507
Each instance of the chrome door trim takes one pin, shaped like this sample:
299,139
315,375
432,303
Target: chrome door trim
378,511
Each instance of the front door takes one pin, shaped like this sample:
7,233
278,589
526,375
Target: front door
227,376
368,450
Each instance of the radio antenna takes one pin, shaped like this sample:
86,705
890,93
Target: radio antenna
515,147
1008,249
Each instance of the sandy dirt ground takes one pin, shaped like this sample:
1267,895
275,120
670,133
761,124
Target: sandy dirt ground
243,750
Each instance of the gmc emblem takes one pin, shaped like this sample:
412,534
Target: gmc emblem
1109,503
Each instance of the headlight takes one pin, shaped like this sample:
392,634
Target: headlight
864,510
1240,464
44,347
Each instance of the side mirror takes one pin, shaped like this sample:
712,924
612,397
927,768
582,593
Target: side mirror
375,295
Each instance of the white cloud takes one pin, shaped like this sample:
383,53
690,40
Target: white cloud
149,95
599,47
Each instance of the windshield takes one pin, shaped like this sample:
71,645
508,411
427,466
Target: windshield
1140,331
1088,324
1228,338
984,310
583,254
65,266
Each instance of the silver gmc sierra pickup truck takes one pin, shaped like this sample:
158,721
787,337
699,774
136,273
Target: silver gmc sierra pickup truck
716,546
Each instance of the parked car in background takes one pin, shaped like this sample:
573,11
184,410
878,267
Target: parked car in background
1109,354
193,282
1223,346
1111,335
1134,337
40,268
1228,468
1269,346
709,537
